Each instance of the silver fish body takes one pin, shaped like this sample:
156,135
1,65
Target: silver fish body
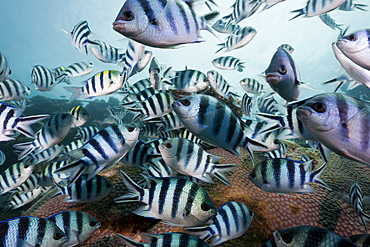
238,39
79,36
81,116
317,7
11,89
4,68
29,185
105,52
14,176
48,175
85,133
242,9
222,27
252,86
221,86
228,63
43,78
74,70
191,81
46,155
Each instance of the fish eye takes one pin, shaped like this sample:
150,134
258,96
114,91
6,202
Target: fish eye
205,206
128,15
10,72
185,102
252,175
351,37
93,223
168,145
250,212
26,166
265,181
57,235
109,185
319,107
282,69
130,128
286,237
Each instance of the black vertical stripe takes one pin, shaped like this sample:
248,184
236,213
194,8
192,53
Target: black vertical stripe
79,220
184,240
276,171
191,196
4,228
291,172
24,226
163,194
180,184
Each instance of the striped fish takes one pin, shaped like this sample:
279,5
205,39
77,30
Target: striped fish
78,226
154,74
242,9
85,133
138,86
105,52
73,145
18,200
4,68
190,80
14,176
142,63
247,104
29,185
53,132
30,231
222,27
159,169
176,201
139,155
162,24
349,5
232,220
48,176
278,153
355,194
222,88
43,78
188,158
287,47
330,22
104,149
252,86
58,71
11,121
317,7
213,121
85,190
80,114
169,122
46,155
228,63
102,83
74,70
79,36
133,53
286,176
173,239
270,3
238,39
11,89
360,239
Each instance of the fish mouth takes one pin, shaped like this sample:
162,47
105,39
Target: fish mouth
118,25
272,78
303,112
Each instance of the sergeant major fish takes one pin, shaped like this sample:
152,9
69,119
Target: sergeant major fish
80,114
4,68
105,52
11,89
317,7
238,39
43,78
228,63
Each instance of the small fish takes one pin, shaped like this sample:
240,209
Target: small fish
105,52
79,36
222,27
169,122
317,7
173,239
191,81
14,176
137,87
43,78
267,104
355,194
232,220
74,70
187,157
252,86
11,89
286,176
176,201
48,176
247,104
142,63
278,153
78,226
4,68
287,47
309,236
283,76
349,5
242,9
31,231
134,52
228,63
58,71
81,116
220,85
85,133
46,155
238,39
18,200
360,239
139,155
356,47
29,185
73,145
330,22
103,83
159,24
84,189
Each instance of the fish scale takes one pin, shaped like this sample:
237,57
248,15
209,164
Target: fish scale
79,35
11,89
43,78
14,176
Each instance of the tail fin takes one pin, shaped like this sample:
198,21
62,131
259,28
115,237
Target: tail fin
360,6
134,190
299,11
221,169
315,177
129,242
202,232
75,170
76,93
23,124
26,148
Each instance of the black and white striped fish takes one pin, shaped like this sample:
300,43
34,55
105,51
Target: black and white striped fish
73,145
102,83
330,22
53,132
46,155
80,114
11,121
84,189
105,52
247,104
168,198
43,78
173,239
222,27
18,200
11,89
133,53
14,176
242,9
139,155
104,149
251,85
317,7
238,39
162,24
30,231
169,122
190,81
142,63
79,36
137,87
187,157
85,133
74,70
4,68
278,153
286,176
232,220
349,5
355,194
77,225
48,176
228,63
30,184
220,85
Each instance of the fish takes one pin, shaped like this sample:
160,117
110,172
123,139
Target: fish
330,22
287,47
29,185
267,104
137,87
74,70
77,225
339,122
31,231
173,239
238,39
18,200
222,27
11,89
247,104
43,78
349,5
169,122
228,63
360,239
177,201
14,175
190,80
79,36
343,78
242,9
139,155
317,7
46,155
80,114
356,47
216,123
309,236
232,220
142,63
221,87
154,74
84,189
102,83
73,145
278,153
283,76
4,68
105,52
48,176
270,3
11,121
85,133
282,175
355,194
252,86
2,158
53,132
187,157
104,149
134,52
161,24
